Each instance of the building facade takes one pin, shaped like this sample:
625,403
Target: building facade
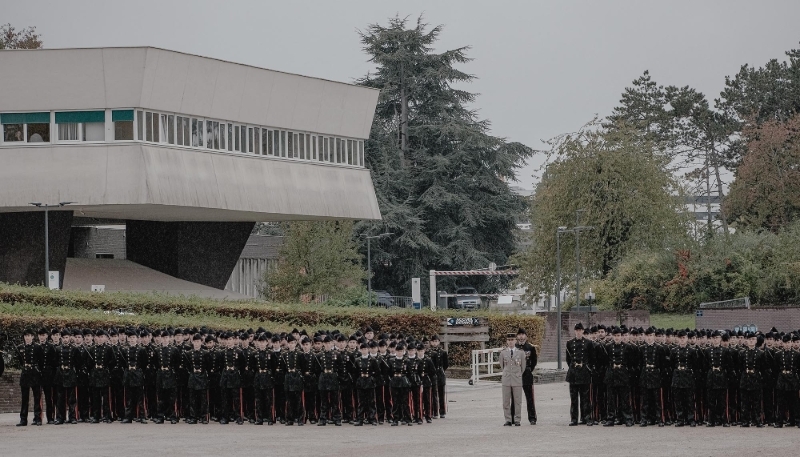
186,152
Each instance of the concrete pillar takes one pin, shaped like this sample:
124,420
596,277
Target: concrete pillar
22,245
200,252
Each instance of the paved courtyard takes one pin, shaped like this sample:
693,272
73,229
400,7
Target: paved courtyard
472,427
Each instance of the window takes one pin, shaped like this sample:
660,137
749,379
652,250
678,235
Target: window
68,131
216,144
291,137
350,152
197,133
236,145
319,148
361,153
171,129
327,149
283,143
222,129
123,124
22,127
230,137
182,133
94,131
313,147
81,125
210,134
255,141
266,142
149,126
302,146
250,139
165,128
270,149
103,256
339,150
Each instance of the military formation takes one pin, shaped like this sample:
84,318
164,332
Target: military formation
201,376
621,376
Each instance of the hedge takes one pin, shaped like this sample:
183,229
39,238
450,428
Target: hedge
39,307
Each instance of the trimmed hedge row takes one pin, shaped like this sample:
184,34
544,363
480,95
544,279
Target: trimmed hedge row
40,307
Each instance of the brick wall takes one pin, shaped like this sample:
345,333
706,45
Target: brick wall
784,319
10,394
569,319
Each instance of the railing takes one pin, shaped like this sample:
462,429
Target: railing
484,363
736,303
394,302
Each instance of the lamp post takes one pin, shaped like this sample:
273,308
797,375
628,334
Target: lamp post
47,236
577,230
559,231
369,264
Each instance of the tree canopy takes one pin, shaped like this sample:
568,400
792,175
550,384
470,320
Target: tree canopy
11,38
441,178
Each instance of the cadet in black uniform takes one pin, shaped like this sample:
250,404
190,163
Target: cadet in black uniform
198,362
383,390
717,363
366,370
579,377
328,366
30,357
787,362
617,380
426,375
99,361
135,363
167,360
291,361
683,359
66,381
48,372
310,381
653,359
262,365
231,363
401,409
751,365
442,363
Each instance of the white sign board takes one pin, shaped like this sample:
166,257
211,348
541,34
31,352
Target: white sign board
505,299
98,288
416,295
52,280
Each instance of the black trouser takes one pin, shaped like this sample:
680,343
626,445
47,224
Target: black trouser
329,406
600,400
294,405
734,404
401,407
348,404
684,404
84,396
100,401
636,394
751,406
65,403
37,403
117,400
366,405
416,402
715,399
427,401
231,404
651,405
440,399
769,404
579,401
310,405
280,401
166,403
263,404
198,404
382,405
150,399
530,401
787,406
667,406
619,404
134,402
49,394
701,403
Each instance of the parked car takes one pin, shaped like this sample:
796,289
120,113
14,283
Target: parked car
383,298
471,300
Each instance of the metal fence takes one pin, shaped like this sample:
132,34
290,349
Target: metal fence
394,302
485,364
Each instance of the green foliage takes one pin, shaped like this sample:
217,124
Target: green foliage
440,177
766,192
628,198
318,260
763,266
27,38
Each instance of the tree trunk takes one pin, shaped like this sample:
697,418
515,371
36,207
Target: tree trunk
403,118
720,192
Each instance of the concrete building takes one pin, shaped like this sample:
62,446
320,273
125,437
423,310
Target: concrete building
186,152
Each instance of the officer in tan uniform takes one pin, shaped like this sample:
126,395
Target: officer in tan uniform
512,362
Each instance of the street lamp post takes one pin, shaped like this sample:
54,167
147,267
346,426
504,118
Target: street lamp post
47,236
558,291
369,264
577,230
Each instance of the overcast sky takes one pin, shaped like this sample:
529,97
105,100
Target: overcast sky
544,68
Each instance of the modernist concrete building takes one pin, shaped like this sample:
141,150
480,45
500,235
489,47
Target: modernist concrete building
187,152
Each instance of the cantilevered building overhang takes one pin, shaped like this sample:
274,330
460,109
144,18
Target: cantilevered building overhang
176,145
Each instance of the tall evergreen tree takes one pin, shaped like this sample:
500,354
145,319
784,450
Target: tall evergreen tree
441,179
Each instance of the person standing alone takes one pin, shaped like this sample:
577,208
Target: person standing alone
512,362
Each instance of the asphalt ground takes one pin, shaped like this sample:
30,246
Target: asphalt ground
474,426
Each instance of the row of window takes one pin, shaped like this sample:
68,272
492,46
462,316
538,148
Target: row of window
228,136
180,130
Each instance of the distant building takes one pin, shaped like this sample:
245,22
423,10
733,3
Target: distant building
259,255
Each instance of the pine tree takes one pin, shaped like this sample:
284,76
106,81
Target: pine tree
441,179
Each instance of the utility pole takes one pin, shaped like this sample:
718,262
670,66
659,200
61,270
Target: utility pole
47,236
